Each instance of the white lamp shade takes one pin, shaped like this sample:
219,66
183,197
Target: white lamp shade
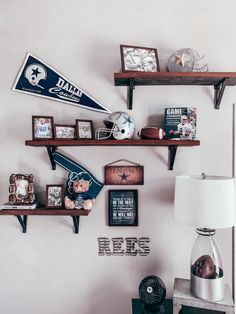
205,203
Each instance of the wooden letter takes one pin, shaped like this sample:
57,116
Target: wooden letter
104,246
117,246
130,246
142,245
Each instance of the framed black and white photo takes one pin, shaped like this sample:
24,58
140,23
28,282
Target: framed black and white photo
64,132
54,195
42,127
142,59
123,207
84,129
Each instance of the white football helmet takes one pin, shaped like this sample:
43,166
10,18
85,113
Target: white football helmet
119,125
35,73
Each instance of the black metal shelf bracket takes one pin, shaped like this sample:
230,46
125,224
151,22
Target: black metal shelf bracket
130,89
219,92
76,223
23,222
172,152
51,150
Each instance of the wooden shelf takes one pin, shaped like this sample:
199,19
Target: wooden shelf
22,215
52,145
217,79
56,143
45,212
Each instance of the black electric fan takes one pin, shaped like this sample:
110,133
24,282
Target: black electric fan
152,293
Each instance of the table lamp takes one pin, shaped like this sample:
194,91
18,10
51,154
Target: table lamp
208,203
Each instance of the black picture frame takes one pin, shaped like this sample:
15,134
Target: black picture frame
123,207
84,129
54,196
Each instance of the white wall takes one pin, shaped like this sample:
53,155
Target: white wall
50,269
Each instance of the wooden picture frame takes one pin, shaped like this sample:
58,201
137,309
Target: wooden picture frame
123,207
42,127
141,59
84,129
54,196
64,132
21,189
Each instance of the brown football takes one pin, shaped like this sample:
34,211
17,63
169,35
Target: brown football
151,132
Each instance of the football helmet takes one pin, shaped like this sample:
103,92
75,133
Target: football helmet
118,125
35,73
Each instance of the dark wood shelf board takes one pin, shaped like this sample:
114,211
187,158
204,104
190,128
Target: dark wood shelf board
175,78
56,143
22,215
217,79
52,145
45,212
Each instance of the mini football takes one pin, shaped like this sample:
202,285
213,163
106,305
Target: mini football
154,133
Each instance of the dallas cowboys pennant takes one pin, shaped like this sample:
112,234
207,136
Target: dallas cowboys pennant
39,79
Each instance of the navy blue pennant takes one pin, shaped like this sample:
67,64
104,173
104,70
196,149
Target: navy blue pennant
39,79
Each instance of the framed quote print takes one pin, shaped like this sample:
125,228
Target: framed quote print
123,207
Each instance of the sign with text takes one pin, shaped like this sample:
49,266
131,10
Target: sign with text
123,207
123,175
39,79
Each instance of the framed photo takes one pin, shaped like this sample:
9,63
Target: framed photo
141,59
21,189
123,208
54,195
84,129
64,132
42,127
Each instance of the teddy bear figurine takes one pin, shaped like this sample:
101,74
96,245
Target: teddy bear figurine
79,198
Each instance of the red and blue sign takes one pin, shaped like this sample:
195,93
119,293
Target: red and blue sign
39,79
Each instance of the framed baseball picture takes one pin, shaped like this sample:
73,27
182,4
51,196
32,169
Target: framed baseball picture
54,195
123,208
142,59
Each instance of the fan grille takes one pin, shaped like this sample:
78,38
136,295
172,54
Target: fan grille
152,291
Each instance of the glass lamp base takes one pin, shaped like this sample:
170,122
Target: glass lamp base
207,272
207,289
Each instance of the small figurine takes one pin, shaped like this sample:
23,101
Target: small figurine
79,198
